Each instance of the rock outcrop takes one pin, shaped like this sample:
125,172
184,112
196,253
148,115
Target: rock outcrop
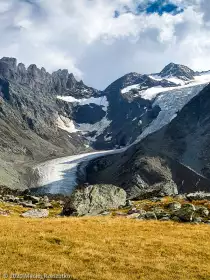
36,213
94,199
176,70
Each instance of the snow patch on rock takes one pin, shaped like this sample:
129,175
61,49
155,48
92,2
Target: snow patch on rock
66,124
98,128
100,101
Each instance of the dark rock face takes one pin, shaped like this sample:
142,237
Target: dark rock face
84,114
4,89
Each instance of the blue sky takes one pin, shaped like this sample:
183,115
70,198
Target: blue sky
101,40
152,7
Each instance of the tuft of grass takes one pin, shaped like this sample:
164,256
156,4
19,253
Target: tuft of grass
14,209
205,203
105,248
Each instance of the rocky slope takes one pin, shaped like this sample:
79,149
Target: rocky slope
175,158
35,125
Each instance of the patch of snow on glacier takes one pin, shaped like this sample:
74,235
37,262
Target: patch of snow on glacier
98,127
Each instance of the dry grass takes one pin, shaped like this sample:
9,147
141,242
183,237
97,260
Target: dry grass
105,248
15,209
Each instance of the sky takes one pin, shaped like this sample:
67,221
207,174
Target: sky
101,40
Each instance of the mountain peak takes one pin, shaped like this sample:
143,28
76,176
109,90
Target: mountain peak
177,70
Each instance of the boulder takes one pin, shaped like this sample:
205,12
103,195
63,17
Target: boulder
105,213
129,203
175,219
150,215
197,220
11,198
174,206
36,213
132,210
142,213
166,218
202,211
162,189
44,205
181,196
120,214
186,212
27,204
198,196
45,199
133,216
94,199
32,198
48,205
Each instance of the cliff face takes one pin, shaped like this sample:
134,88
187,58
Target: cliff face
59,82
35,125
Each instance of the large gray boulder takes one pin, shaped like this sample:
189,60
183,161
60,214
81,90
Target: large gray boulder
162,189
198,196
36,213
94,199
202,211
186,212
174,206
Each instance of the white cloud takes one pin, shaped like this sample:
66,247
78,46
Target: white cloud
83,36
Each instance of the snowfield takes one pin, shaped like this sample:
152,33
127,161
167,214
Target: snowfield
98,127
100,101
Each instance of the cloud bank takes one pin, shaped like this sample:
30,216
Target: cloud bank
101,40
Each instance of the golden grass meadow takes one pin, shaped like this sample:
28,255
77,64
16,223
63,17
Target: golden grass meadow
105,248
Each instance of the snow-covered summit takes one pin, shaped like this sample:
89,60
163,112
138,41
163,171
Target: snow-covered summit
171,77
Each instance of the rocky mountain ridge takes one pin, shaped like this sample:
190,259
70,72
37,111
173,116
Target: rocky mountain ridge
59,82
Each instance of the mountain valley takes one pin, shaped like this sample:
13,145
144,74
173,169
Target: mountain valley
47,116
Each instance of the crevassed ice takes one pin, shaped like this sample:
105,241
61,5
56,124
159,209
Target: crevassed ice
170,102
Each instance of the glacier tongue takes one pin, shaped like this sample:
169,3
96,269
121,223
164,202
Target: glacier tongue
170,102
